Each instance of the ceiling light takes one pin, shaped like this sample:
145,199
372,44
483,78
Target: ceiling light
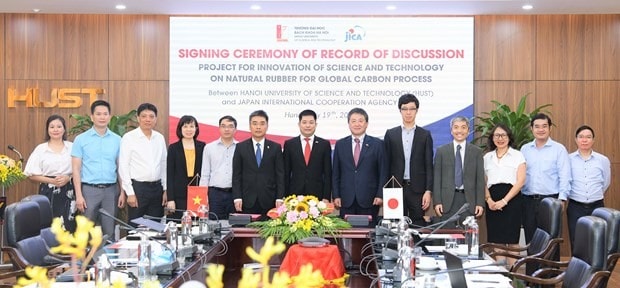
527,7
36,10
390,7
120,7
255,7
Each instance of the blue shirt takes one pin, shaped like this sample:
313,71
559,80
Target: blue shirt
548,169
217,161
407,135
590,177
99,155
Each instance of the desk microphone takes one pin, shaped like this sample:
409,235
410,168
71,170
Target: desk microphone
12,148
154,268
443,223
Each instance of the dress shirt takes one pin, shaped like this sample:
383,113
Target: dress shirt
353,143
99,155
45,162
590,177
142,159
262,146
548,169
503,170
407,135
303,142
217,163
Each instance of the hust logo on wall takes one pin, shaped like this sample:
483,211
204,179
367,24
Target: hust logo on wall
59,97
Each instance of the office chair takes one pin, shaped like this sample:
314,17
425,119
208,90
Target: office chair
586,266
45,210
612,217
545,242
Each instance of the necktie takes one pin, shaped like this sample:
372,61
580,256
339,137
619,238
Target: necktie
307,151
259,154
458,168
356,152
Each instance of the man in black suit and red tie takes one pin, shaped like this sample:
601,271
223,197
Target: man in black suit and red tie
258,170
307,161
409,150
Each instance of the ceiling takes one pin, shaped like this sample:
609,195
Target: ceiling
312,7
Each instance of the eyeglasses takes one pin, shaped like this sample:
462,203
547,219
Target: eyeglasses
500,136
408,109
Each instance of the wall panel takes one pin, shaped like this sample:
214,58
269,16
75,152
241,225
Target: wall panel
602,47
505,47
127,95
139,47
48,46
2,93
560,47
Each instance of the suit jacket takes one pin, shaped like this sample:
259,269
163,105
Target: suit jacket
258,185
177,172
420,162
313,179
364,182
473,176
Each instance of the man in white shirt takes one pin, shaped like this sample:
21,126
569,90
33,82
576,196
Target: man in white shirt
142,166
217,168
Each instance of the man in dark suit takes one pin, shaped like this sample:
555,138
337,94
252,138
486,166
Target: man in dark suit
307,161
452,186
359,170
258,170
409,150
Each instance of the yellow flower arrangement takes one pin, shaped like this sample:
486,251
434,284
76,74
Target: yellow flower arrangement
10,171
300,217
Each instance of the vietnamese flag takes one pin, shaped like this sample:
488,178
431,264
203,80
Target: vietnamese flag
197,196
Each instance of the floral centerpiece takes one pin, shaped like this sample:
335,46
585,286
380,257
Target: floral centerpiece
300,217
10,171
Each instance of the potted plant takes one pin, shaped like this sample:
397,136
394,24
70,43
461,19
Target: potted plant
119,124
518,121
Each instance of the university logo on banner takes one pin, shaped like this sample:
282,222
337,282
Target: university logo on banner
393,200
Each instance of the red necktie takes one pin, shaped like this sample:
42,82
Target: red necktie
307,151
356,152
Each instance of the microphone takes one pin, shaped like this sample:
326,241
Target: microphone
12,148
157,268
443,223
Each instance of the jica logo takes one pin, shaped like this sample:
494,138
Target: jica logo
357,33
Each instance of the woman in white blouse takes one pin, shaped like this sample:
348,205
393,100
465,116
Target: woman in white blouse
50,165
504,169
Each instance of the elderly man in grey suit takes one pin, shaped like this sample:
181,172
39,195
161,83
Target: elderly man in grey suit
458,175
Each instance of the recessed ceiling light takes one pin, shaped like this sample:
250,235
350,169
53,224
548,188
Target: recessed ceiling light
121,7
527,7
390,7
36,10
255,7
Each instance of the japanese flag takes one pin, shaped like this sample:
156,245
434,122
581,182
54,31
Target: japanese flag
393,203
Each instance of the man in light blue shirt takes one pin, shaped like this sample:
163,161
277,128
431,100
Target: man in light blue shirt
217,162
547,172
94,164
591,176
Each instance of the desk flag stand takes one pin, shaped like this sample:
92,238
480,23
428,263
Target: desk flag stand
393,200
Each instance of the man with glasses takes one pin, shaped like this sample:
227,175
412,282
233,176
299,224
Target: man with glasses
547,172
409,151
217,168
458,175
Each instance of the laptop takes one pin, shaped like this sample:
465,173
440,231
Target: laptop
455,270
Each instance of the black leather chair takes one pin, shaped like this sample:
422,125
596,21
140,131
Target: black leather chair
25,246
586,266
45,210
612,217
545,242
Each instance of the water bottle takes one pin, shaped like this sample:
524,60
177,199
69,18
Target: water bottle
172,236
144,259
203,221
472,237
186,228
103,271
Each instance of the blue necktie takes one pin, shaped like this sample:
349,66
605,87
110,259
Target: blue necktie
458,168
259,155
